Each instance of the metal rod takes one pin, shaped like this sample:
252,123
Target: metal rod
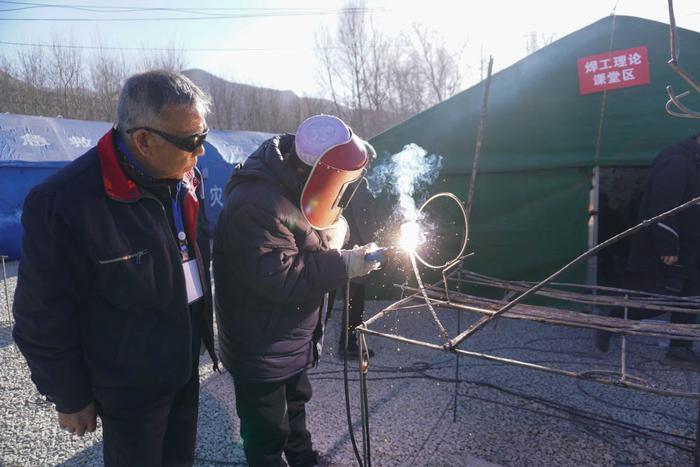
665,298
696,454
390,308
676,100
672,32
641,300
479,138
443,331
445,277
588,376
637,330
673,62
479,324
623,353
454,407
7,294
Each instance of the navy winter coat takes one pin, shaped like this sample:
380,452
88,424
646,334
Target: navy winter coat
100,300
673,180
272,270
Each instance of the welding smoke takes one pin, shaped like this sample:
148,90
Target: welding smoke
404,174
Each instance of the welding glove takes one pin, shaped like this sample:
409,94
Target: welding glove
337,234
355,263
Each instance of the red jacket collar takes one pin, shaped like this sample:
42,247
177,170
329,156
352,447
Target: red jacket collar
117,185
120,187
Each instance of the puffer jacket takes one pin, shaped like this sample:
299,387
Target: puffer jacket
272,270
673,180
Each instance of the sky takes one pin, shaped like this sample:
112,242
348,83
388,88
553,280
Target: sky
271,43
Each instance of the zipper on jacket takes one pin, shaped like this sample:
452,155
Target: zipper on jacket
136,255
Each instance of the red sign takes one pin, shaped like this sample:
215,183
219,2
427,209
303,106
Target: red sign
613,70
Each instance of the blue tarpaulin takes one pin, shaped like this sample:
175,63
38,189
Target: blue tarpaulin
32,148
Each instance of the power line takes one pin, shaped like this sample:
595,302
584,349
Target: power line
151,49
190,18
168,49
217,12
142,8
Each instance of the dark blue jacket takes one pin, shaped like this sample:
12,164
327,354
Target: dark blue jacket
272,270
100,299
673,180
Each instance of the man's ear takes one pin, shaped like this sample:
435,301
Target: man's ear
143,142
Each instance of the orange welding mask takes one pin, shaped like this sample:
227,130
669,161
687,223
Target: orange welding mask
338,159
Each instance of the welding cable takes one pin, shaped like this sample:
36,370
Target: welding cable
364,402
346,325
580,417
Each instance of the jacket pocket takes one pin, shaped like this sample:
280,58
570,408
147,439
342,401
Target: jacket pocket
136,257
127,280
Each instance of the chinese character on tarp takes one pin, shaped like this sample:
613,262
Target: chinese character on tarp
216,196
80,141
33,140
613,70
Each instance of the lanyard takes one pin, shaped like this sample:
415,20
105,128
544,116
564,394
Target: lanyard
180,225
130,157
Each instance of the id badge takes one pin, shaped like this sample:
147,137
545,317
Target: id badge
192,282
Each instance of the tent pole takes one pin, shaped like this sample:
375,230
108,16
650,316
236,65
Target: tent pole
593,226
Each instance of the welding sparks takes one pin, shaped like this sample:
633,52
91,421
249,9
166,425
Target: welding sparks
410,236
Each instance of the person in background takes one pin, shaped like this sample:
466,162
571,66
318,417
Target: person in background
663,258
113,298
277,254
361,230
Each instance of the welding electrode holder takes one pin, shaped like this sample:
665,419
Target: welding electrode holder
382,255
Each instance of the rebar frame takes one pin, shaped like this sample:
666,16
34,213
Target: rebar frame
445,298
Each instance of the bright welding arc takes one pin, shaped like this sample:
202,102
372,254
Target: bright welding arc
410,240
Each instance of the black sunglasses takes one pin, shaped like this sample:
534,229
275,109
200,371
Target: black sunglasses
188,143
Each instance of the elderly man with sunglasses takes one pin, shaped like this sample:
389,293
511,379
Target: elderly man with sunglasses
113,299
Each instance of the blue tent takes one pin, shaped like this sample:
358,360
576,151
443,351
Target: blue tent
32,148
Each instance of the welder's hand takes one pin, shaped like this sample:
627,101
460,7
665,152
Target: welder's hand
669,260
355,263
337,234
80,422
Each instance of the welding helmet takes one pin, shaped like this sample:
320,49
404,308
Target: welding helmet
337,159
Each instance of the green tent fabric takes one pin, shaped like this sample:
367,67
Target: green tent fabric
530,211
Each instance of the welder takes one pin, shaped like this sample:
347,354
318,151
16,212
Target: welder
277,254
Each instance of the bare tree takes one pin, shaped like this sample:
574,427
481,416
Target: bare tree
324,47
225,108
381,80
535,41
351,43
67,76
439,67
31,68
354,68
107,73
170,58
405,82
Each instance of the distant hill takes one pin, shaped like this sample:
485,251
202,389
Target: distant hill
248,107
235,106
208,81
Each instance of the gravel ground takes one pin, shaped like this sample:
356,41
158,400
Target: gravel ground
505,415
